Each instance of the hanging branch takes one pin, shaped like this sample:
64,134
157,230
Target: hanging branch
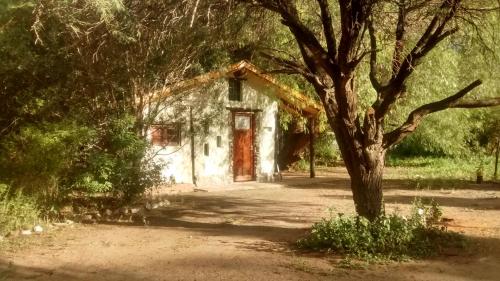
416,116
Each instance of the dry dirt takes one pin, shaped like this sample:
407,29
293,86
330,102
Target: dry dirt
248,235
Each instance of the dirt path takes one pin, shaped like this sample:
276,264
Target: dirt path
246,235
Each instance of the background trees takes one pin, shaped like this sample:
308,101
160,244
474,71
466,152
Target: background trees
76,80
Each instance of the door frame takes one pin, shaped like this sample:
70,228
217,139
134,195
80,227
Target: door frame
250,114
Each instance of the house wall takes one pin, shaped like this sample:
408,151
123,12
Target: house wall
211,105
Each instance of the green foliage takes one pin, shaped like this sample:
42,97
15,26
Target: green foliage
50,161
452,65
326,149
124,164
16,210
68,96
390,237
301,165
38,159
427,170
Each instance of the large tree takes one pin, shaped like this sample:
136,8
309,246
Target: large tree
336,37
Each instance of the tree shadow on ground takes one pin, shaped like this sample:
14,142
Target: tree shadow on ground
215,215
15,272
479,263
268,233
196,267
447,201
327,182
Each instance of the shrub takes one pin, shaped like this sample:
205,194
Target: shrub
390,237
16,211
124,164
326,149
39,159
50,161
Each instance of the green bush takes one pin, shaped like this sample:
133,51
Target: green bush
432,169
51,161
326,149
16,211
119,165
39,160
390,237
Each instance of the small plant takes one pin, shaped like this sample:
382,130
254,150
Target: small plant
390,237
301,165
16,211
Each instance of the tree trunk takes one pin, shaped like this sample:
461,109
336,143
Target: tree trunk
361,147
367,190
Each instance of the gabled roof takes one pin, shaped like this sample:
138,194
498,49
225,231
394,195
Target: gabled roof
290,100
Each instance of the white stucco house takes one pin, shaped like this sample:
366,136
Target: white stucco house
221,127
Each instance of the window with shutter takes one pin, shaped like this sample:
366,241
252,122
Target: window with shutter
166,134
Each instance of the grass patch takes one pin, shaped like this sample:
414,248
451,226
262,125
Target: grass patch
16,211
416,168
390,237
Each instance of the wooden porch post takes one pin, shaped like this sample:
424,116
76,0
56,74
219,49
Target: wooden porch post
191,134
312,158
495,175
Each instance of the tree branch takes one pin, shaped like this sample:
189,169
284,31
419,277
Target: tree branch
353,16
477,103
373,57
432,36
289,65
400,32
326,20
418,114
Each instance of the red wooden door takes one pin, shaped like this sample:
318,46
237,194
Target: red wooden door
243,153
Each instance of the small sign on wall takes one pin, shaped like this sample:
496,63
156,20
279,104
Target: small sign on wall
242,122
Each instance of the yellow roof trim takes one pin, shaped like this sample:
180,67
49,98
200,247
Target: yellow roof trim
292,99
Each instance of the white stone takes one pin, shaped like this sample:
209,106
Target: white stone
26,232
135,210
87,217
38,229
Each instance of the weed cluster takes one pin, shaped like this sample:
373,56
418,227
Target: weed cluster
431,169
390,237
17,211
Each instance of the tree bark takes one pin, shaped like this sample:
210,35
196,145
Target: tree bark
361,147
367,189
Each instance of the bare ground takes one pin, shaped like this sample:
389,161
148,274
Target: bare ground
249,235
